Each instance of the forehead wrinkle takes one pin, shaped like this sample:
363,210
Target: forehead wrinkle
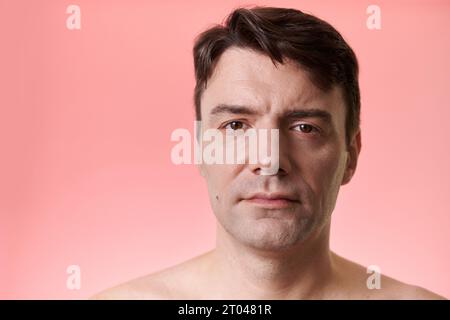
295,91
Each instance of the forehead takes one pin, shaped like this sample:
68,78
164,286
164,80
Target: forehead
246,77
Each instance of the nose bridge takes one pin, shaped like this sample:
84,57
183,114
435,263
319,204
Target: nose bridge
275,146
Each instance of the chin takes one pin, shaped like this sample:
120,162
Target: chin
272,234
272,245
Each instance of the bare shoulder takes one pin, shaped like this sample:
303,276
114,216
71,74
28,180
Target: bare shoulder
418,293
149,287
355,277
170,283
394,289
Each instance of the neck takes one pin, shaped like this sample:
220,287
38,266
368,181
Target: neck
299,272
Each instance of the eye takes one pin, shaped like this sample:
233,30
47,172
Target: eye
306,128
235,125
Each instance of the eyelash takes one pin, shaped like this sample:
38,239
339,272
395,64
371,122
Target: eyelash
314,130
230,122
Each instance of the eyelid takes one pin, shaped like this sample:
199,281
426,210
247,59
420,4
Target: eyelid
314,127
223,126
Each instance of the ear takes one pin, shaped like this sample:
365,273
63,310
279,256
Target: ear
201,169
352,158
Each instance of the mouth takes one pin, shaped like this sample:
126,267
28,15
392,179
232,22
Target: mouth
272,201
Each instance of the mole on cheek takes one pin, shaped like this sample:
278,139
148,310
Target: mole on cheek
217,197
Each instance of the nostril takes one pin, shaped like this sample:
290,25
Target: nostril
268,171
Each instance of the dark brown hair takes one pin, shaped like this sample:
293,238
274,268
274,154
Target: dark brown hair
283,33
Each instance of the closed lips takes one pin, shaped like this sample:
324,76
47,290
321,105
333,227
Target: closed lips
272,196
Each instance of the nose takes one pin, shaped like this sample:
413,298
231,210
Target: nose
272,159
260,171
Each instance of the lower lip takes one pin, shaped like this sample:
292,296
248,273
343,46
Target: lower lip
271,203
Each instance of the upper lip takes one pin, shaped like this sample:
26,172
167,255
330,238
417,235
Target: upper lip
272,196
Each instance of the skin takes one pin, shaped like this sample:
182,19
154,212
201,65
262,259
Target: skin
265,252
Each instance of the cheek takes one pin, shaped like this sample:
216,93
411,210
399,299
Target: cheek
217,174
219,179
321,169
329,177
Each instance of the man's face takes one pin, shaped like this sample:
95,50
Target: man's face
313,159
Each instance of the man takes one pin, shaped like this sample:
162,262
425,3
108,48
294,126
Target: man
282,69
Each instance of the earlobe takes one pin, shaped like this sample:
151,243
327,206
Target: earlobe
200,169
352,158
347,176
348,170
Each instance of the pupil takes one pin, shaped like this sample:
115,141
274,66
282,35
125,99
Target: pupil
308,128
235,125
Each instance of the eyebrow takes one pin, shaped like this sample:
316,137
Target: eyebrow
310,113
293,114
232,109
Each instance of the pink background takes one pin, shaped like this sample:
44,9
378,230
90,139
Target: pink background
85,124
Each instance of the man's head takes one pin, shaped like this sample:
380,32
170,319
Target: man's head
276,68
